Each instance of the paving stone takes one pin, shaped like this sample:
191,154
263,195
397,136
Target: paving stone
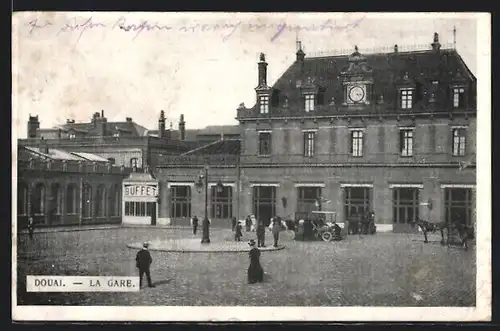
383,269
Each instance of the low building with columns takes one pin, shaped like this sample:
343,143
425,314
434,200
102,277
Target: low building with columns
393,133
60,188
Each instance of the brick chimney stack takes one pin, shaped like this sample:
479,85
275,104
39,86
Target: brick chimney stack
101,123
262,65
161,125
182,128
33,126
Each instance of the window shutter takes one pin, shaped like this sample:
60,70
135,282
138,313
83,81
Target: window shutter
351,143
303,102
320,99
418,93
275,98
401,141
304,142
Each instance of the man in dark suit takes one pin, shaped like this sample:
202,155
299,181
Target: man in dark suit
31,225
195,224
143,261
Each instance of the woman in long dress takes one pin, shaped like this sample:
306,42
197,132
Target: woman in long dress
255,271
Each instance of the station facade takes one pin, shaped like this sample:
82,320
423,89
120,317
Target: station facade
391,133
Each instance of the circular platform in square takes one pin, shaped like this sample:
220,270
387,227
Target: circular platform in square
194,245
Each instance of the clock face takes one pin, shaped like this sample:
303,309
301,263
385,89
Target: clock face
356,93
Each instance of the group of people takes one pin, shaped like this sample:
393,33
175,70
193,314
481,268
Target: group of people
259,227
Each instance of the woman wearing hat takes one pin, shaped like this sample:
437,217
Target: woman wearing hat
255,271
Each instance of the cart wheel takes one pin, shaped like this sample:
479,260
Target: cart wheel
326,236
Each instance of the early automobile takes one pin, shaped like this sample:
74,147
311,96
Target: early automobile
317,225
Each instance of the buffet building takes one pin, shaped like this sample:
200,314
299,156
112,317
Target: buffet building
393,133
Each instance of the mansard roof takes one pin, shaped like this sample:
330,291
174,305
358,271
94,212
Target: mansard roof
388,71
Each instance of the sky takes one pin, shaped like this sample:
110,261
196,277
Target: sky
202,65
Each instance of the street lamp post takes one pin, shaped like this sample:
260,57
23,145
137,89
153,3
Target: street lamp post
203,181
206,223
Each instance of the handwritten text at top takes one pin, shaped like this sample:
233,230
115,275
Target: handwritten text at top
82,25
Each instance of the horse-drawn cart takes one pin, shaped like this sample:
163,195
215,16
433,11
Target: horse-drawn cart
318,225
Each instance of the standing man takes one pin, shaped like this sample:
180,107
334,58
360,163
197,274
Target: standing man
276,230
31,225
143,261
195,224
233,224
261,233
248,223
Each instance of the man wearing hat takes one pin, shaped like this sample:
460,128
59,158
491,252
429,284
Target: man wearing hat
255,271
143,261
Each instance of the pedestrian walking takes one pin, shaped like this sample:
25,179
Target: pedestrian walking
233,223
194,223
248,223
253,227
143,262
261,234
255,272
276,230
31,226
238,232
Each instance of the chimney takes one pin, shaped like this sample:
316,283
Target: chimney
33,126
395,48
44,148
262,71
182,127
128,119
102,125
161,125
300,53
436,45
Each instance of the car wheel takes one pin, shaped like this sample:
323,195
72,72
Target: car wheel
326,236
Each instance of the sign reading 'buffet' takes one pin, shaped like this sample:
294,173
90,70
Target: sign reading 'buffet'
141,190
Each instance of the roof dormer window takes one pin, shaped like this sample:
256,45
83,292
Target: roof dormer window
264,104
406,96
458,97
309,102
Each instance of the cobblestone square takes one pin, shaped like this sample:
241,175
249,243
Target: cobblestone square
385,269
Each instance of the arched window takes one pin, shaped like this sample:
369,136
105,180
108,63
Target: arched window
87,201
56,199
39,199
22,199
101,201
133,162
71,199
115,199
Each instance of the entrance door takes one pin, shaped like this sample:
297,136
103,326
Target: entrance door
405,201
152,212
356,200
458,205
264,203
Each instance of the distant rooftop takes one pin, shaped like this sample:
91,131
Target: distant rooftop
379,50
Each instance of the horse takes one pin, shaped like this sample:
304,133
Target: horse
426,227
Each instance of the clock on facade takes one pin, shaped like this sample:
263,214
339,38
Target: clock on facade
356,93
